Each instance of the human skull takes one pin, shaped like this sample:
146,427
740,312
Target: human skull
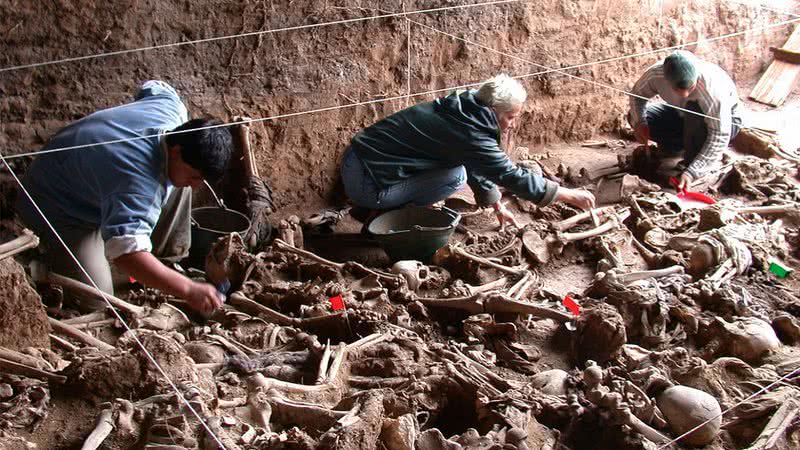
413,271
748,338
686,408
551,382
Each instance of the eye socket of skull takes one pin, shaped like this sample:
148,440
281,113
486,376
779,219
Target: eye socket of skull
423,272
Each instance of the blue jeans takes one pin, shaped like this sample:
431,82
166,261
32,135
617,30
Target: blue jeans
422,189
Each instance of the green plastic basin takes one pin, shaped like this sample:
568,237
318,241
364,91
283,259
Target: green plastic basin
414,232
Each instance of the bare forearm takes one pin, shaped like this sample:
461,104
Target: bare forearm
148,270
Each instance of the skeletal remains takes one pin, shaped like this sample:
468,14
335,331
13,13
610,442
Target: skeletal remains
455,354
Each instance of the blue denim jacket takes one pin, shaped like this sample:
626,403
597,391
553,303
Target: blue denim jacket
119,187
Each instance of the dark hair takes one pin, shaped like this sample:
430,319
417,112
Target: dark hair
207,150
680,70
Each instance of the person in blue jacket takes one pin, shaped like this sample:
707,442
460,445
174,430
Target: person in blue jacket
425,153
127,199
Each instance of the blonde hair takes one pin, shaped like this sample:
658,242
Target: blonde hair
502,93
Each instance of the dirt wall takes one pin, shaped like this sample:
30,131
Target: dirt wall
23,320
301,70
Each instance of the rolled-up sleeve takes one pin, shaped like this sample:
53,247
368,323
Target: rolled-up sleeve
128,221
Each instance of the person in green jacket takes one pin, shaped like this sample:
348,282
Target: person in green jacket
426,152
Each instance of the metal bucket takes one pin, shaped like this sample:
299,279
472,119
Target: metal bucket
414,232
210,224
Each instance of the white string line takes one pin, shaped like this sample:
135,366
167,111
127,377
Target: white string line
638,96
755,394
559,71
244,121
548,69
252,33
398,97
408,59
113,309
673,47
763,6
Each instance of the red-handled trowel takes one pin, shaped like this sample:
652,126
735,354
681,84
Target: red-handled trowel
683,194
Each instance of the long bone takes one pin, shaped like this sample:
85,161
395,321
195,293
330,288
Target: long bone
70,331
239,300
165,317
104,427
283,246
613,222
22,358
480,303
604,282
457,250
764,210
542,249
490,286
630,277
519,285
19,244
14,367
570,222
777,425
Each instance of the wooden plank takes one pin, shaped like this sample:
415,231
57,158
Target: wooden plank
777,87
777,82
761,92
782,54
793,43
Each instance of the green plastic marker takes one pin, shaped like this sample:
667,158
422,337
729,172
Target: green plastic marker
779,269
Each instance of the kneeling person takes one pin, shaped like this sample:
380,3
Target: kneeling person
425,153
125,201
700,135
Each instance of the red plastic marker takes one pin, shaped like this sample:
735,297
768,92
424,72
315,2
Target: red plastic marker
572,305
689,195
337,302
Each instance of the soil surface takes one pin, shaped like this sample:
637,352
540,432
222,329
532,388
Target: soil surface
22,315
277,74
290,72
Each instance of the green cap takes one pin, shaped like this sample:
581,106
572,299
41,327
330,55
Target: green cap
680,69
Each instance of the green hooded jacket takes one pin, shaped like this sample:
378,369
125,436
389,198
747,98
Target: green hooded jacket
451,131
